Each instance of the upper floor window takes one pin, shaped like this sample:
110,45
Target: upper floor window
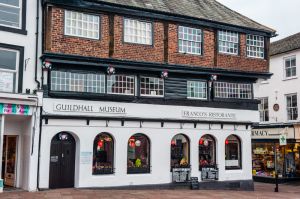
255,46
121,84
233,90
197,90
10,13
77,82
151,86
290,67
189,40
263,108
81,25
8,70
228,42
139,32
292,107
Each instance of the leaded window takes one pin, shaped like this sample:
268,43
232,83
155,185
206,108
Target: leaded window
152,86
228,42
10,13
139,32
290,67
255,46
190,40
292,107
233,90
121,84
82,25
197,90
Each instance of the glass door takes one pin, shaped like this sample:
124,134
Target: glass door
9,160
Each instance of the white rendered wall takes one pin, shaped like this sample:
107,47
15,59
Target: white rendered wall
277,87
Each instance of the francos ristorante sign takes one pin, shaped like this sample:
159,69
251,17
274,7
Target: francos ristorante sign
81,108
208,115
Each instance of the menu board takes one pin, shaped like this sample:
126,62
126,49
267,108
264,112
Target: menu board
6,82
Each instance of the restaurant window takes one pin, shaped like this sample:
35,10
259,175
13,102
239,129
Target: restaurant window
255,46
77,82
82,25
263,108
233,90
207,151
189,40
197,90
290,67
152,86
138,154
292,107
8,70
228,42
138,32
10,13
233,154
180,151
103,154
121,84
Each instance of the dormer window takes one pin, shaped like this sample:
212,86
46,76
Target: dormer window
228,42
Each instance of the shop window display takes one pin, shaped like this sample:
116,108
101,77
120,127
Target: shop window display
138,154
103,154
207,152
180,149
233,153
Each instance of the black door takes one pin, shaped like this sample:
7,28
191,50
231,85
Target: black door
62,161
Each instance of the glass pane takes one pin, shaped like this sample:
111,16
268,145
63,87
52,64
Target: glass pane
207,151
7,81
11,2
9,16
8,59
180,149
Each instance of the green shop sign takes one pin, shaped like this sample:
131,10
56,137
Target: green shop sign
14,109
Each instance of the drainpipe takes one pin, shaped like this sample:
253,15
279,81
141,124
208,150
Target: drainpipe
37,44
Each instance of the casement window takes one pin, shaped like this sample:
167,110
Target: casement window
138,32
228,42
152,86
292,107
82,25
9,60
290,67
263,108
233,153
196,90
233,90
189,40
255,46
77,82
11,13
121,84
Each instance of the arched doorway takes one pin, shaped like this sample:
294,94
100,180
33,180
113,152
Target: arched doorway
62,161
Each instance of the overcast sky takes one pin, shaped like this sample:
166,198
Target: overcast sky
281,15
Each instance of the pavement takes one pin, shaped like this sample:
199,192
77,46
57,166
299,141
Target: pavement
262,191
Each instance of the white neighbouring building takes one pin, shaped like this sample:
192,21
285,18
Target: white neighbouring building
20,99
279,102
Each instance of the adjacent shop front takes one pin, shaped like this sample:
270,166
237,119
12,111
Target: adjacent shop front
268,154
109,144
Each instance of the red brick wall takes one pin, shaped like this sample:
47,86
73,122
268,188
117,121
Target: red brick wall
138,52
206,59
241,61
57,42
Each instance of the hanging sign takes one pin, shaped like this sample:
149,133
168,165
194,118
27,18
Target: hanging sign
14,109
282,140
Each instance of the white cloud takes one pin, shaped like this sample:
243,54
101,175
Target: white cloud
281,15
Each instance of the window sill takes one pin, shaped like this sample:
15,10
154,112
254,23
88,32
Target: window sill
290,78
228,54
191,54
13,30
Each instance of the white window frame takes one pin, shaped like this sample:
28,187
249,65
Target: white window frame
20,14
290,58
88,24
262,110
225,89
140,34
160,80
117,93
227,37
196,82
14,72
190,42
288,108
255,42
